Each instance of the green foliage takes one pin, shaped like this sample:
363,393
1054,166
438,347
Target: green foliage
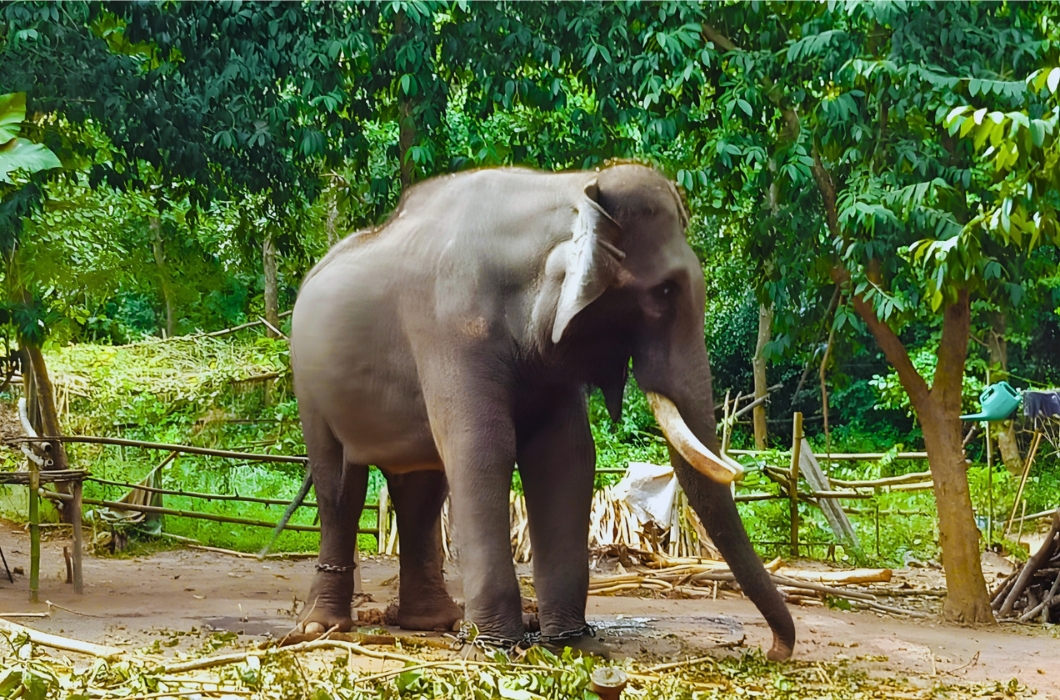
892,396
540,675
19,154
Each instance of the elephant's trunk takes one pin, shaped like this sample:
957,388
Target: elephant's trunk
710,497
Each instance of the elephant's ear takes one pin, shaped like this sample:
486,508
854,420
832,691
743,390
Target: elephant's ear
592,260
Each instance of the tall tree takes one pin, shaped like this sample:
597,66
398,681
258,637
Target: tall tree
870,87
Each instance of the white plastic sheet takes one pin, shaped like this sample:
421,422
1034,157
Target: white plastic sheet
649,489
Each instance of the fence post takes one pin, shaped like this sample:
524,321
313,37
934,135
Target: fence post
34,531
382,517
75,509
793,483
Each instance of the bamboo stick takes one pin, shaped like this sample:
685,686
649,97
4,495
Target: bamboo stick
213,496
34,532
848,456
187,449
63,643
885,481
117,505
793,483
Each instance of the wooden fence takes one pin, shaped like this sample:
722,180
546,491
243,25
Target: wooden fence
803,480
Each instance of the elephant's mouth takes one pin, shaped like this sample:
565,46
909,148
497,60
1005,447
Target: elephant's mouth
676,430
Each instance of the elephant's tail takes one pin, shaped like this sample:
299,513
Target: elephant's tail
299,497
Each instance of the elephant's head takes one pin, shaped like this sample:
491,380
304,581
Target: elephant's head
633,288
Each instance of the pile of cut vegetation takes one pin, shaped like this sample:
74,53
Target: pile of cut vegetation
381,666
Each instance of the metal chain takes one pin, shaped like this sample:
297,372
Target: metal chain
563,636
468,634
333,569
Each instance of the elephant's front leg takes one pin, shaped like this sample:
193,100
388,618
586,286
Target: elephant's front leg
556,461
476,439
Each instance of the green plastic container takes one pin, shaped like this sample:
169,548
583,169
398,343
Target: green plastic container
998,402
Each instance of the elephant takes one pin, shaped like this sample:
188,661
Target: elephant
458,341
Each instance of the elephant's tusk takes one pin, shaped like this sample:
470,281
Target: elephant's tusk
688,445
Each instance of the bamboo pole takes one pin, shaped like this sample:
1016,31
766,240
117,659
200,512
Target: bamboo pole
1033,452
187,449
63,643
848,456
117,505
882,482
382,519
34,532
194,336
212,496
793,483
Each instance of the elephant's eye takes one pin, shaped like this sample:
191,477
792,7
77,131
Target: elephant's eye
665,291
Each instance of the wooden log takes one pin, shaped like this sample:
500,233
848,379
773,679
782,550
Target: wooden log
1031,567
833,513
63,643
860,576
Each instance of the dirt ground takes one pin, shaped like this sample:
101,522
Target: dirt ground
135,601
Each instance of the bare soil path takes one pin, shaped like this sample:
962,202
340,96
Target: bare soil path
136,601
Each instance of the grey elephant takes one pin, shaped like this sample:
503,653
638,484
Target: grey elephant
458,340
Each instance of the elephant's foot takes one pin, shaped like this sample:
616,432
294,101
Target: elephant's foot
438,613
328,605
586,644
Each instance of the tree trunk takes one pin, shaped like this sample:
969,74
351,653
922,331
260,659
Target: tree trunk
406,120
967,600
163,273
997,347
47,414
272,310
406,139
331,223
765,329
938,410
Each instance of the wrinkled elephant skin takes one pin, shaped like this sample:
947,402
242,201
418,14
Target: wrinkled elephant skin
458,340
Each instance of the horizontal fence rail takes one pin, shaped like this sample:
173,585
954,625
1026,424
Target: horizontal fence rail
118,505
186,449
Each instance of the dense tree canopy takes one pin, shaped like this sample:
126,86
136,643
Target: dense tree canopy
871,184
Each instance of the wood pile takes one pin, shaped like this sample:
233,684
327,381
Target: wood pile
1033,591
613,522
688,577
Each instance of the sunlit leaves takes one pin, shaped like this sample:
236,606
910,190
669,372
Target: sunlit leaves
1024,154
19,154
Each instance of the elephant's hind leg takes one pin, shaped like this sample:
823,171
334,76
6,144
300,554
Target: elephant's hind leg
423,602
340,492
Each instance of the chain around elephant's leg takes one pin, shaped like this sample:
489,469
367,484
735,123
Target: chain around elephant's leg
340,490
